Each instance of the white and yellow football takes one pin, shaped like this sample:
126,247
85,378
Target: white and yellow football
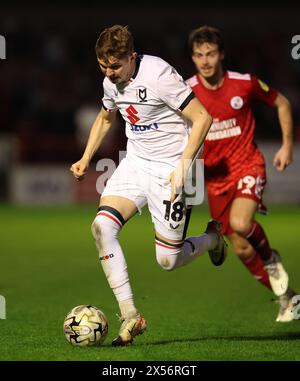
85,326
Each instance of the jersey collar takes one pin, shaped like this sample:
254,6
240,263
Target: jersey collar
137,68
225,76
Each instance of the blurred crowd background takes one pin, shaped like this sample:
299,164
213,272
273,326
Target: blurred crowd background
51,86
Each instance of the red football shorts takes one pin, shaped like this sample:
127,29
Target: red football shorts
249,186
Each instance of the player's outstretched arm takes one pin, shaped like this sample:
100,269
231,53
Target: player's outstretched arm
99,129
283,157
201,120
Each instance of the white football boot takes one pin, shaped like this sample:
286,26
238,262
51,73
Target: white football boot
286,307
278,277
130,328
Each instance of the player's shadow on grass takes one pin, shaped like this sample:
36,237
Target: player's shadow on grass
277,337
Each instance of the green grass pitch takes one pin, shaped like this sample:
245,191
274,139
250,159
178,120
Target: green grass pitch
48,264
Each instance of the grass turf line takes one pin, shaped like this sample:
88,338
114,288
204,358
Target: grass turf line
199,312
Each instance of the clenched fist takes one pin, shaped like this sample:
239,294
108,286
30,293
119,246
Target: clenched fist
80,168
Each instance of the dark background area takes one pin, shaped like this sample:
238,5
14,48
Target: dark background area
50,79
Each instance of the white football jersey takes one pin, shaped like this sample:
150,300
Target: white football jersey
149,104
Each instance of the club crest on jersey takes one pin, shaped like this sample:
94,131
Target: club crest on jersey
141,95
236,102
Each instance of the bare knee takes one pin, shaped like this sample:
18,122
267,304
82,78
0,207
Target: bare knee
241,225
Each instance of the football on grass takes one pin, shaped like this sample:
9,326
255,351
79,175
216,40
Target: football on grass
85,326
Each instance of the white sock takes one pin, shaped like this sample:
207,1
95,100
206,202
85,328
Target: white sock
106,228
127,308
170,258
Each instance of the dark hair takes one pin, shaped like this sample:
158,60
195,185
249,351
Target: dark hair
116,41
206,34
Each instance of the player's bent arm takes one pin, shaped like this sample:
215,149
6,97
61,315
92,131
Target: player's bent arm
201,120
99,129
285,119
284,155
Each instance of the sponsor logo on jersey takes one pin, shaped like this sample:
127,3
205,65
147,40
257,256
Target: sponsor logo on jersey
223,129
106,257
174,227
263,85
140,128
131,114
142,95
236,102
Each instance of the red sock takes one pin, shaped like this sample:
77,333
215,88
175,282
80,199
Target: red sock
256,267
258,239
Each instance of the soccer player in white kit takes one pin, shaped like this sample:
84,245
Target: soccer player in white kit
165,126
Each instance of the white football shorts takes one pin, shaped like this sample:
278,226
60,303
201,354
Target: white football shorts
145,182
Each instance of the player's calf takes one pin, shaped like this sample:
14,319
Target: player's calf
278,276
257,238
106,228
171,255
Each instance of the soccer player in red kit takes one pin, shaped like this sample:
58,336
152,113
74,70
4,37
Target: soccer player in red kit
234,167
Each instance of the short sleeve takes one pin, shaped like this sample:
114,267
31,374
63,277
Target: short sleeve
107,100
262,92
172,89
